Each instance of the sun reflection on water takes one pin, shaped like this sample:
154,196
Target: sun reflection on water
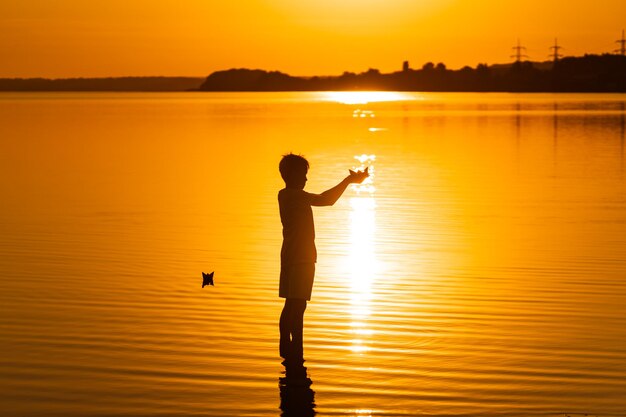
358,113
362,259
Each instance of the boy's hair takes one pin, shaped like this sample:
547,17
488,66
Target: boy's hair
291,165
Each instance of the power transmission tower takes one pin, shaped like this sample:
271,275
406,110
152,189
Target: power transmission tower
518,52
622,45
555,51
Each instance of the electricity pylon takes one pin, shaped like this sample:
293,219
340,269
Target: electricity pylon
622,45
555,51
518,52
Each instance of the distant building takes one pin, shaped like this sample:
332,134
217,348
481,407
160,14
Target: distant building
405,66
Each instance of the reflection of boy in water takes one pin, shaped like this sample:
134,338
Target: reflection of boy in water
298,254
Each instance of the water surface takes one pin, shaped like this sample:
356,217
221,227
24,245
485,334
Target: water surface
482,272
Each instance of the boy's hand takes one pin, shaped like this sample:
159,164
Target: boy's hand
358,176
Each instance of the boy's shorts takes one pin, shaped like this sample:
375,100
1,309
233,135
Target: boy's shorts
296,280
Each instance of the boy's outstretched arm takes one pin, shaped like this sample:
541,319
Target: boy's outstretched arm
329,197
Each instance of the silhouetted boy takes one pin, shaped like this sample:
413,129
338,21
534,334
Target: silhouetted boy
298,254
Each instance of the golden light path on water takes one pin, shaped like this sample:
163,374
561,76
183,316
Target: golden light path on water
363,265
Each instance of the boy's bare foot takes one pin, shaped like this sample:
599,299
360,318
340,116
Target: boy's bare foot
296,374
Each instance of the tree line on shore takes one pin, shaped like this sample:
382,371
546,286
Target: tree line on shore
590,73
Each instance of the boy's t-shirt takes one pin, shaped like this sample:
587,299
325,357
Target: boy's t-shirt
296,216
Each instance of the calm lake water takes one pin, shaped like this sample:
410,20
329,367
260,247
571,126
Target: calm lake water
481,272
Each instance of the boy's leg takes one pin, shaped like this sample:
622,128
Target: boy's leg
298,306
285,330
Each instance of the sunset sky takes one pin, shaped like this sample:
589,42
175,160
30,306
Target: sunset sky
72,38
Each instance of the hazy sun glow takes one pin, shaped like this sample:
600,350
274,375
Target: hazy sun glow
364,97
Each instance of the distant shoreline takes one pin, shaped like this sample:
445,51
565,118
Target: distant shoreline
112,84
586,74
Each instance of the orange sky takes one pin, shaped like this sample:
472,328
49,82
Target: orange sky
71,38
